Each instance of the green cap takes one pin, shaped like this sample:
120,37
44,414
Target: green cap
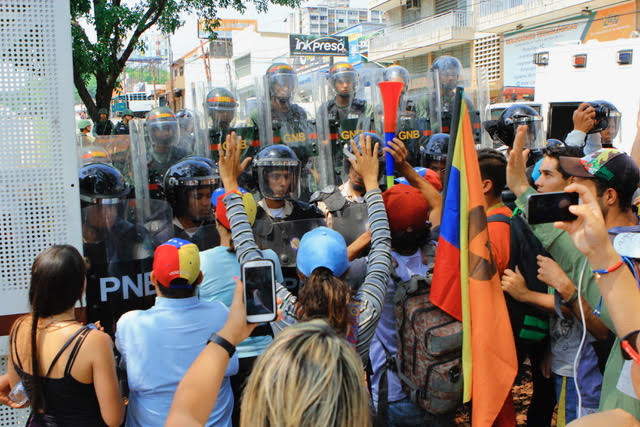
103,111
84,123
127,112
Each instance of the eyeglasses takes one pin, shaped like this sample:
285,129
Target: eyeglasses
628,345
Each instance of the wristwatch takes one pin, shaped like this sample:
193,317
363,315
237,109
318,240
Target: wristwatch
571,300
217,339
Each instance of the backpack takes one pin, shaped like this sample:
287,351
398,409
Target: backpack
429,357
530,325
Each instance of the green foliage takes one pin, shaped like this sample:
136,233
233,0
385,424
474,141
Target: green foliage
148,74
118,25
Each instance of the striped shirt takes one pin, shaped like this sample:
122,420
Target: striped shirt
370,294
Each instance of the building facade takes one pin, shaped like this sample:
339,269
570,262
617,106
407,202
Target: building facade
326,19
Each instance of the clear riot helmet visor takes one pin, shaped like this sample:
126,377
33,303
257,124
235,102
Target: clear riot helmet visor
283,85
344,83
280,180
194,197
163,133
535,137
221,115
186,124
610,133
100,214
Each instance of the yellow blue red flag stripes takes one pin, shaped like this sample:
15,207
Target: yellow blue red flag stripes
466,285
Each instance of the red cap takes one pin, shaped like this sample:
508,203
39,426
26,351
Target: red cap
433,178
406,208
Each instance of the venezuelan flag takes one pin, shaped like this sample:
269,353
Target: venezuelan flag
466,285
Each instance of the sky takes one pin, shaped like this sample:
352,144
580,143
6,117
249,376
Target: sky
185,38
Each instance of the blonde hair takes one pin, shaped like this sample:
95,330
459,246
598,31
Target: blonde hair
309,376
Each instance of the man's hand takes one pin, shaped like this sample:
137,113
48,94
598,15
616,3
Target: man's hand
366,163
516,168
513,283
229,162
584,117
588,231
550,273
399,153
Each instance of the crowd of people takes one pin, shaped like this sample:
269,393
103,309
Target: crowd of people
352,263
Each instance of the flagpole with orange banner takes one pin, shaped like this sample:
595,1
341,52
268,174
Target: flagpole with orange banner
473,293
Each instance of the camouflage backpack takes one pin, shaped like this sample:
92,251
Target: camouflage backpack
429,357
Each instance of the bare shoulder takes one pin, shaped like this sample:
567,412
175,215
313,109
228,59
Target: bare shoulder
98,343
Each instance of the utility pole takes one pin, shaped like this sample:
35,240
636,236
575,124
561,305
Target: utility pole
172,103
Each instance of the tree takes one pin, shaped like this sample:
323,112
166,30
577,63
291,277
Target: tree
118,26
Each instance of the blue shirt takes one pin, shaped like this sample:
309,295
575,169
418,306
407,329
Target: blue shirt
158,345
218,267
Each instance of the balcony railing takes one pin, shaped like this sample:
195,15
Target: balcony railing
433,29
509,11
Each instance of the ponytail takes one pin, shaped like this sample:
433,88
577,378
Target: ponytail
325,296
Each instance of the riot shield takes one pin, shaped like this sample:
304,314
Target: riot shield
283,237
223,112
119,241
151,158
343,114
350,222
90,151
290,120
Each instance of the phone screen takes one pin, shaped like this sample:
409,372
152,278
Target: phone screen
551,207
258,290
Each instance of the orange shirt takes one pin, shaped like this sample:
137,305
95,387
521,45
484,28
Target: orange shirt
500,237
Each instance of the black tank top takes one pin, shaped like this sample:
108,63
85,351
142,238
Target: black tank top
68,402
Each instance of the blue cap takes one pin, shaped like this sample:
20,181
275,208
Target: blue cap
219,191
535,173
421,171
322,247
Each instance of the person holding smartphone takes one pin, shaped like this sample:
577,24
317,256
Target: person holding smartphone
323,293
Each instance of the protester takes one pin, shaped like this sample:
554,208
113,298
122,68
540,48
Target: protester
322,257
619,289
159,344
77,387
309,376
619,176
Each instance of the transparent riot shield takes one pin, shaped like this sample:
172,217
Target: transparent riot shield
91,152
350,221
345,108
154,148
223,112
119,241
288,118
476,96
193,139
283,237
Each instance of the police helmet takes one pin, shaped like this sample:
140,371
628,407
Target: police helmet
187,174
435,150
163,126
185,120
610,121
397,73
101,183
277,163
504,129
449,71
343,72
349,154
284,77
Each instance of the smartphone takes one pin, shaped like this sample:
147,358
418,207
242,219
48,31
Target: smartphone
259,281
551,207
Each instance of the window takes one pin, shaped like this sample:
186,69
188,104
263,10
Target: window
243,66
182,70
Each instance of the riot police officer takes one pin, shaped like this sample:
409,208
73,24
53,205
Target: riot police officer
433,154
122,127
344,206
343,80
504,129
412,128
116,247
281,219
164,135
220,105
282,81
188,187
449,71
103,126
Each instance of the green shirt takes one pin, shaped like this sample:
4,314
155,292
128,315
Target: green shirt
559,244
